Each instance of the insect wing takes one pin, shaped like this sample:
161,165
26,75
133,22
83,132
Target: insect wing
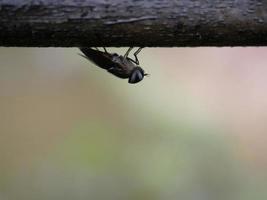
101,59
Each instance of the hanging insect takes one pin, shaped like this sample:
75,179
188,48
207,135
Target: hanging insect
120,66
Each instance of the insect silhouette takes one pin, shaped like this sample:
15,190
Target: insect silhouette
118,65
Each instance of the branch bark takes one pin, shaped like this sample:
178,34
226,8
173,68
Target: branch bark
154,23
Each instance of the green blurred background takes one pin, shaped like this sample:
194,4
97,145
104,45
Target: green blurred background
195,129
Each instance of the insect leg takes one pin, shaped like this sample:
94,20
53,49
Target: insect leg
135,55
132,60
105,49
127,53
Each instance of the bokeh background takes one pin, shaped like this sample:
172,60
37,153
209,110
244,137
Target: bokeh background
195,129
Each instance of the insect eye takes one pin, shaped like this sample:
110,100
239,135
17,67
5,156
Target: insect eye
136,76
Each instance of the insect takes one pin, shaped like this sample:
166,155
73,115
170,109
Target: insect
120,66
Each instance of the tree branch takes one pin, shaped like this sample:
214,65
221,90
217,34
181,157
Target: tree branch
157,23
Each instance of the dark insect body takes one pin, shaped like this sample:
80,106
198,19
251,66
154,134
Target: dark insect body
120,66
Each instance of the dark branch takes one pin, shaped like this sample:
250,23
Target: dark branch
66,23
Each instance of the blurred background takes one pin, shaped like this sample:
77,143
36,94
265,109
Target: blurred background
195,129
